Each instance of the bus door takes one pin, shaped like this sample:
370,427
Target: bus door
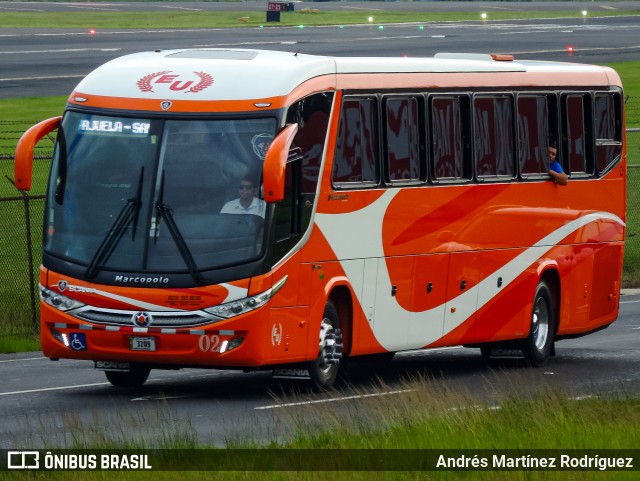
462,297
385,300
403,300
426,323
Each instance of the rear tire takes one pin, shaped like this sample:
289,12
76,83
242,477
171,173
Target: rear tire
539,345
136,377
324,370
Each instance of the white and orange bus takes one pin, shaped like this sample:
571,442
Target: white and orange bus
269,210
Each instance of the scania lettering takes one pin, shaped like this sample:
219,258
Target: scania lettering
249,209
87,290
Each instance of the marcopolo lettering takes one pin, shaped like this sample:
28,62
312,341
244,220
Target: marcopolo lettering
142,280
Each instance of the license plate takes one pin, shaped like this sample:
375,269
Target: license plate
137,343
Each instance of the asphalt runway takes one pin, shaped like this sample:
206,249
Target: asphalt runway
43,62
45,404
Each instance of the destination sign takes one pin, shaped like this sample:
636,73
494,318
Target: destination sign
128,126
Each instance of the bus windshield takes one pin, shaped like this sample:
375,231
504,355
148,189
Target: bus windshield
148,194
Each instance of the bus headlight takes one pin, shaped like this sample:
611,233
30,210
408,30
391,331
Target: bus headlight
61,337
235,308
60,302
227,346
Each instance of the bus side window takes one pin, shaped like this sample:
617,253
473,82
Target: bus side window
355,158
402,140
493,136
576,144
293,213
607,129
533,143
449,134
312,116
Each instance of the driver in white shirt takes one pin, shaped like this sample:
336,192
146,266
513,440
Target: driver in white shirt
247,203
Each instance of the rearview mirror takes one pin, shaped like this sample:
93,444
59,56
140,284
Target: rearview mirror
275,164
23,161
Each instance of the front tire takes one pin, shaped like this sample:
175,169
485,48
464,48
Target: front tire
538,346
324,370
136,377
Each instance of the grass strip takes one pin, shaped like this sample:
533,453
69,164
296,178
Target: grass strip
304,15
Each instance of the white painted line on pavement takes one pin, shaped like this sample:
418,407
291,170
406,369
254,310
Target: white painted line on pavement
336,399
110,32
181,8
59,50
15,79
156,397
59,388
14,9
91,8
27,359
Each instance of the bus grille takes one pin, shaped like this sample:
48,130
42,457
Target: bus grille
160,319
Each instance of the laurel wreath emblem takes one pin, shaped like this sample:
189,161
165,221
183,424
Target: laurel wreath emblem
206,80
144,83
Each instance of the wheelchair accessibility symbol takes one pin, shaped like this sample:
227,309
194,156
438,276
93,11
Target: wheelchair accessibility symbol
78,341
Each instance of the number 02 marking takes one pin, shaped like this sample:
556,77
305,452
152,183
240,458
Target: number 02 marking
209,343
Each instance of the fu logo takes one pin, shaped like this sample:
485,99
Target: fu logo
193,82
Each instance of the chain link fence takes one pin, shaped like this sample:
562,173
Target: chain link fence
21,220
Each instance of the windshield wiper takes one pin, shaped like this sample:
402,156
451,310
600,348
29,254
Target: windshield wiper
128,215
166,212
61,181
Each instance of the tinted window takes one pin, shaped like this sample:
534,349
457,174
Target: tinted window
493,135
575,145
448,137
607,127
356,146
402,139
178,183
533,128
312,116
293,214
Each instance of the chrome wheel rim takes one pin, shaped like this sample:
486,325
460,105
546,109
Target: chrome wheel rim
329,349
540,324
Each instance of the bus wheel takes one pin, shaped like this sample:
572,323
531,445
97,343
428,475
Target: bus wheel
324,370
136,377
539,345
